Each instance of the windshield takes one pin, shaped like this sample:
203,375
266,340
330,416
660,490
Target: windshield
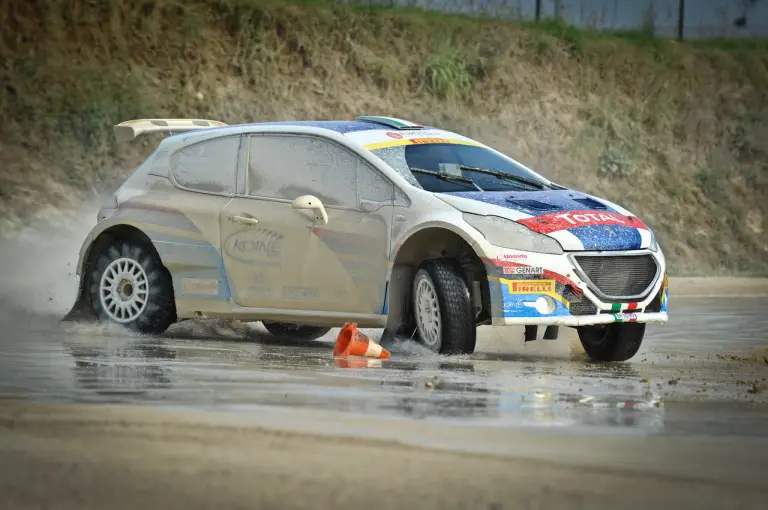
457,160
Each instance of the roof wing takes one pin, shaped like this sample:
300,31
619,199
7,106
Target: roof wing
391,122
132,129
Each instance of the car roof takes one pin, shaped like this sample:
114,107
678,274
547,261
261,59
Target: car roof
339,126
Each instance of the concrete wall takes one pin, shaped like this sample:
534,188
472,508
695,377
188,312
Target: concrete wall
702,18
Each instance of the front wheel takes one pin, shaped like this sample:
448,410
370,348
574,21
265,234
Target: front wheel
614,342
445,319
294,331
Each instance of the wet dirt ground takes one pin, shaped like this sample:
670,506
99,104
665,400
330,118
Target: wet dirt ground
683,423
704,373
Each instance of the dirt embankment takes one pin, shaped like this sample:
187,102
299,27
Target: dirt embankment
678,133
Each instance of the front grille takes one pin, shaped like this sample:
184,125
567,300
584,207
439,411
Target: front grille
583,307
619,277
579,304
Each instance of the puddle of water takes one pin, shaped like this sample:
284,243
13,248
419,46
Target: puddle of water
489,388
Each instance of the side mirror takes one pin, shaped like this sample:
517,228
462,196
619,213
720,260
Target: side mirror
313,203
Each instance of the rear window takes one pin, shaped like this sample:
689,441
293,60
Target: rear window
445,158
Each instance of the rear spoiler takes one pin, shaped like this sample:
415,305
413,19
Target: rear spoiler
132,129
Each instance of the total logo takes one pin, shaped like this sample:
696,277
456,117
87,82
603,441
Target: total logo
567,220
575,219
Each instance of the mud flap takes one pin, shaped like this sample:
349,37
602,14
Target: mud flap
550,333
81,311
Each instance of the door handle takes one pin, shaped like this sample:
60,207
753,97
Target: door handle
239,218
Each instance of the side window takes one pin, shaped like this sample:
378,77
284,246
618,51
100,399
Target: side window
373,185
207,166
288,166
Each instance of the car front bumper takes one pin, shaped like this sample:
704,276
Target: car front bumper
586,320
577,288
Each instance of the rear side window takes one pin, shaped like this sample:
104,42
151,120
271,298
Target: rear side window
207,166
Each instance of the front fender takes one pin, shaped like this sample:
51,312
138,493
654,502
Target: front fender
476,244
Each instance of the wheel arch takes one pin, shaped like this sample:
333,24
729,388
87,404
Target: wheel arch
432,241
98,239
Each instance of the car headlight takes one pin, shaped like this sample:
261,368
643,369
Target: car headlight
653,245
510,234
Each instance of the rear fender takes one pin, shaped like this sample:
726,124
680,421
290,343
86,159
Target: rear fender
82,309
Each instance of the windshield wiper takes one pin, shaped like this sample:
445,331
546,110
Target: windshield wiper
504,175
447,177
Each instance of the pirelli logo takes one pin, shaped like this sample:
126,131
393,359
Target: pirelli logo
419,141
530,286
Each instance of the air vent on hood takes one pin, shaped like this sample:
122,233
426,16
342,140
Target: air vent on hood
591,203
533,204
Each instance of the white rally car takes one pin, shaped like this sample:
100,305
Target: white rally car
384,222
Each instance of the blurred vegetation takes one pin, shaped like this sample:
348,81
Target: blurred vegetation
676,132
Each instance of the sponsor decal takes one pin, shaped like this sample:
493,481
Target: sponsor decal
396,136
258,291
254,245
590,218
547,223
435,133
291,292
546,273
207,286
521,300
523,270
625,317
530,286
419,141
514,305
416,141
511,256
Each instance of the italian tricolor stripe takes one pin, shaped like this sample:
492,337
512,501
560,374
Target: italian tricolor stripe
618,307
390,121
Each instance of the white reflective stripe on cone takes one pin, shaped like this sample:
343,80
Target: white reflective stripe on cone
373,351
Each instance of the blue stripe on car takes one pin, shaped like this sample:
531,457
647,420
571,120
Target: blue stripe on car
608,237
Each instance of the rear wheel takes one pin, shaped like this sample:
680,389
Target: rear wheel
613,342
295,331
130,286
445,320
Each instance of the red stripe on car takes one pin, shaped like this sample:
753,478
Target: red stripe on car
556,222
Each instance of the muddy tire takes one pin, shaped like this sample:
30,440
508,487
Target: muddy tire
294,331
614,342
129,286
442,308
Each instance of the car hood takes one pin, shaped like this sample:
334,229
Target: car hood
576,220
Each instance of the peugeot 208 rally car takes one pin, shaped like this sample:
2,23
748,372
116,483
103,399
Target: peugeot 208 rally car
380,221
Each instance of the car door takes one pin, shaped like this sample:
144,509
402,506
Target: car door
281,257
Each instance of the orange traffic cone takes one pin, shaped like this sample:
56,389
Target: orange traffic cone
357,362
351,342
